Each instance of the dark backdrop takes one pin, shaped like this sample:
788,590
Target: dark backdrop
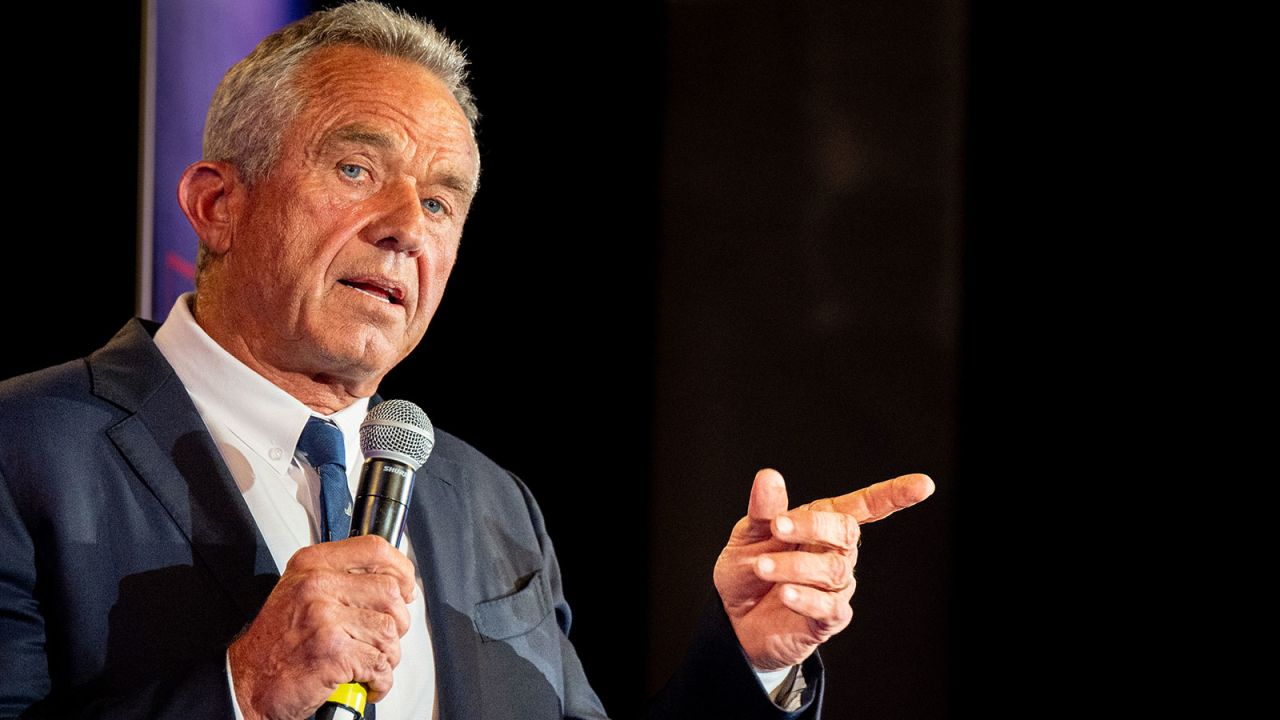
711,236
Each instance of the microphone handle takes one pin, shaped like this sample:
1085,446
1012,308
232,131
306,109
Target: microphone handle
381,499
379,509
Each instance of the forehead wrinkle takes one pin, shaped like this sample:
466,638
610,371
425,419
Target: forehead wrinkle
329,83
359,134
354,134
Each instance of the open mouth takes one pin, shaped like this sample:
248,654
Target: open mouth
378,289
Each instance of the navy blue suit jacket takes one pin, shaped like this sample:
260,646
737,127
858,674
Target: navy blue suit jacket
130,562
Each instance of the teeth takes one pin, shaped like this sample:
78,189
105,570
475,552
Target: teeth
381,294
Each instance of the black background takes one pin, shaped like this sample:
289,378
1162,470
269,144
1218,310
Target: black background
711,236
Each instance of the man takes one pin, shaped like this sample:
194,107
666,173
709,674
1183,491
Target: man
159,512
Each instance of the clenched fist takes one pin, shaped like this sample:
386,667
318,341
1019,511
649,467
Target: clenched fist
337,615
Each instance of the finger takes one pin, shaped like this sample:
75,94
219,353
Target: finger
768,499
365,554
358,645
378,593
375,629
881,500
374,555
347,643
814,527
830,571
830,611
373,670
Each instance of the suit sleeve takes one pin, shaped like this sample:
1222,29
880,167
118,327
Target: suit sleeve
715,679
197,691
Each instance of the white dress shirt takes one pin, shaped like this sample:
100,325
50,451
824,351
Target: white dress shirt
256,427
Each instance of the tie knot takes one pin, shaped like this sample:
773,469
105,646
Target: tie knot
322,444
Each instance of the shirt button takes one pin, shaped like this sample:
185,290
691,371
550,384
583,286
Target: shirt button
276,453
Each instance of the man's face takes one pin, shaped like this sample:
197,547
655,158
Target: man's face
339,257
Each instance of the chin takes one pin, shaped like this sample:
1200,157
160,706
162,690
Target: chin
357,358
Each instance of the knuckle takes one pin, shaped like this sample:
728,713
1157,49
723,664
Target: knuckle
319,615
390,588
380,548
362,548
392,654
388,628
305,557
839,617
831,604
833,531
313,584
332,641
837,570
842,615
407,569
852,532
375,664
382,679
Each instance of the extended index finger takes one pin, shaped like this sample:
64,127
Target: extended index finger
876,502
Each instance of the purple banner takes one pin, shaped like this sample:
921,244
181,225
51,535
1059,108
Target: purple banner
191,44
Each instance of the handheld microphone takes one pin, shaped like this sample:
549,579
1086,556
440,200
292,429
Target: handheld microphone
396,437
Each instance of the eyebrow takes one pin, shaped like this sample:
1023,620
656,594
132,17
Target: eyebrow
466,186
359,134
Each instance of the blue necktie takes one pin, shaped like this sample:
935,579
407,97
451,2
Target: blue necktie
322,444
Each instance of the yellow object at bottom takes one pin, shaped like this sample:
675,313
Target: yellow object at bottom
353,695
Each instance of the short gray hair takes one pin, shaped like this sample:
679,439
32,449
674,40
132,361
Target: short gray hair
259,96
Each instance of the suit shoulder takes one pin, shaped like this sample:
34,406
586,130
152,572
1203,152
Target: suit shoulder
455,453
458,462
51,392
88,394
50,419
73,372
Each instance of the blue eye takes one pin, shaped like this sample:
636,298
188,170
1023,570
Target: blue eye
351,171
433,206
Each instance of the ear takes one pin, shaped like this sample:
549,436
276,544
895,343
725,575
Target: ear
209,194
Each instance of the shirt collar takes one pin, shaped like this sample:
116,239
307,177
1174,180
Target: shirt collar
229,393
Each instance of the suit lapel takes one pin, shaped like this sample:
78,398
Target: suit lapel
436,528
167,445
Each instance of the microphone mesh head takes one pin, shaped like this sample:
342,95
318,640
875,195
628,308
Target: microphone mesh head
398,430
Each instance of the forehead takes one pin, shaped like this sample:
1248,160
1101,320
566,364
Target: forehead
351,87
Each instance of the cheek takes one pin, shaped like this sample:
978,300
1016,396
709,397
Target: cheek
272,245
444,268
432,279
443,255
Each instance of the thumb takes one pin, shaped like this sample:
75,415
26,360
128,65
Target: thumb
768,500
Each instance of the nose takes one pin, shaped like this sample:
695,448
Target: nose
399,224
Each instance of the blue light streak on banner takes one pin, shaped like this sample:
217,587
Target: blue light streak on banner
196,41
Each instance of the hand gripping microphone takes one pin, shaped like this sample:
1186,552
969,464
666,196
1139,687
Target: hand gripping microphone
396,437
